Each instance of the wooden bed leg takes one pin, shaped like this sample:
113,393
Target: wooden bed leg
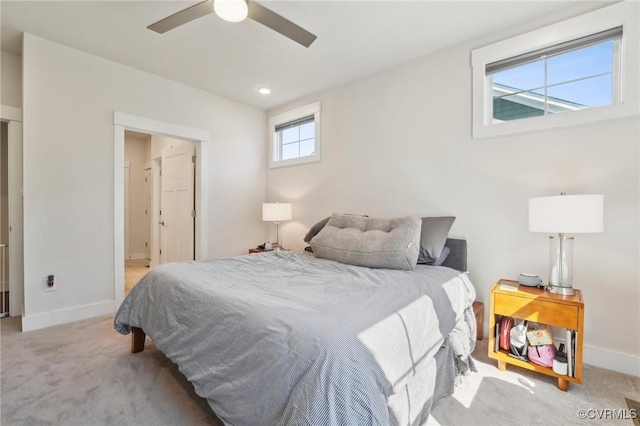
137,340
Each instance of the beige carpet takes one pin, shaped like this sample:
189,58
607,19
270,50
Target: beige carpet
521,397
84,374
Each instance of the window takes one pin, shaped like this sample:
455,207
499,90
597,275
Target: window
295,136
571,76
568,73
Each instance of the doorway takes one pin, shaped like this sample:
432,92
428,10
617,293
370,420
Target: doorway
178,144
169,208
11,217
137,217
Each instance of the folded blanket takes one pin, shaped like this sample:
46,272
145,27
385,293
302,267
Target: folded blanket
463,341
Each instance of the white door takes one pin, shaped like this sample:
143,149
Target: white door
177,204
148,191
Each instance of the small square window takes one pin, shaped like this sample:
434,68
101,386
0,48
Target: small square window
295,136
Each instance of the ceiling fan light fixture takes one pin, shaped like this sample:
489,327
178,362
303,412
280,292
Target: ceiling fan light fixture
231,10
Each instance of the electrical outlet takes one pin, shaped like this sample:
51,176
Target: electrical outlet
51,283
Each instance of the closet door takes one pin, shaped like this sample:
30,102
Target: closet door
176,219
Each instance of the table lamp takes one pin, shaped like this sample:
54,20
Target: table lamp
277,212
564,214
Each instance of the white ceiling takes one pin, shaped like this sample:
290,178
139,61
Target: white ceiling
355,38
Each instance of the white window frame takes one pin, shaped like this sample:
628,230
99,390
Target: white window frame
621,14
298,113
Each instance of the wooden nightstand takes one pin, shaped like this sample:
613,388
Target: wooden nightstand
537,305
255,250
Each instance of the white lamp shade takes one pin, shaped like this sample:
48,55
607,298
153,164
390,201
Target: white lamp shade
276,212
231,10
566,214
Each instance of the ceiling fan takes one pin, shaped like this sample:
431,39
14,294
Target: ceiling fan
236,11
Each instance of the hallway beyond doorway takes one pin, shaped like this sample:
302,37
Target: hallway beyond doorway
133,271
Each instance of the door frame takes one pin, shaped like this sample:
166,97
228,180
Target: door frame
148,170
127,206
156,167
13,116
122,122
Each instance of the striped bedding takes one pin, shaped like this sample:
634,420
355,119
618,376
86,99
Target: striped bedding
286,338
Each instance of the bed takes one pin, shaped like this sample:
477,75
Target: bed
288,338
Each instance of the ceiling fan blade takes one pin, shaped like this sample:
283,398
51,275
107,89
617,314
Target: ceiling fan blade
180,18
270,19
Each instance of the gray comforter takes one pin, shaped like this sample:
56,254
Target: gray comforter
286,338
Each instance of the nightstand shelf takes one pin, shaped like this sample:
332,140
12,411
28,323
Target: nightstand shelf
503,357
537,305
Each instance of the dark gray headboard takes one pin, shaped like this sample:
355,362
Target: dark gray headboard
457,258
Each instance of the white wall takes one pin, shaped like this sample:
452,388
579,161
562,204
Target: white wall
10,79
69,99
136,152
399,142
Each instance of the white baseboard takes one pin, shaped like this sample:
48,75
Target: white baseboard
136,256
63,316
611,360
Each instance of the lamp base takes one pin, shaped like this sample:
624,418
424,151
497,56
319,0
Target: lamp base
562,291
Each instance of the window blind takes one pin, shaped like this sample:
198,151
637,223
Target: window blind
601,37
294,123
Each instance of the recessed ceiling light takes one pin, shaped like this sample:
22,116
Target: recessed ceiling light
264,90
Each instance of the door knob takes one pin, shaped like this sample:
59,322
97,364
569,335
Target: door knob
162,223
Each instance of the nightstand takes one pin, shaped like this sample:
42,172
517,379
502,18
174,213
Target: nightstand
256,250
537,305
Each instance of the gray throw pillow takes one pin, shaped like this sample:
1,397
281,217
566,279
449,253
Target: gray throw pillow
318,227
443,256
370,242
433,238
315,229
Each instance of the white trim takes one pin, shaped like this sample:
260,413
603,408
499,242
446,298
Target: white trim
202,200
155,214
63,316
16,217
621,14
141,124
611,360
9,113
307,110
144,125
13,116
118,215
